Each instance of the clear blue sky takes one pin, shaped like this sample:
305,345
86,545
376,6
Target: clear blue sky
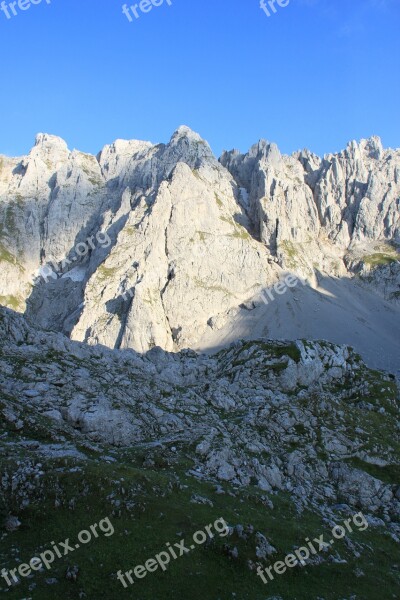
315,74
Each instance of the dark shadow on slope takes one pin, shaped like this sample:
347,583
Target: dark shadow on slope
57,303
340,310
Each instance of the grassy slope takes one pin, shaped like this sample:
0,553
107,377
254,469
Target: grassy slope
162,508
149,505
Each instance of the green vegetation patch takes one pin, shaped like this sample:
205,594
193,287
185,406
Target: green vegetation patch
378,259
291,253
6,256
13,302
218,200
149,507
106,272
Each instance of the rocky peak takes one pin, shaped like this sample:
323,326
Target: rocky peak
185,132
372,147
188,146
49,147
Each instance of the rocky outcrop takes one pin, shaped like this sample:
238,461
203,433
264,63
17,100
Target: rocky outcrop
181,261
350,197
292,417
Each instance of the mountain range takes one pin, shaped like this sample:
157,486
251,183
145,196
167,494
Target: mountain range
185,338
193,241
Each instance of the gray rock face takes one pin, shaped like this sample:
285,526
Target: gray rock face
156,245
297,416
362,489
349,197
169,255
281,204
